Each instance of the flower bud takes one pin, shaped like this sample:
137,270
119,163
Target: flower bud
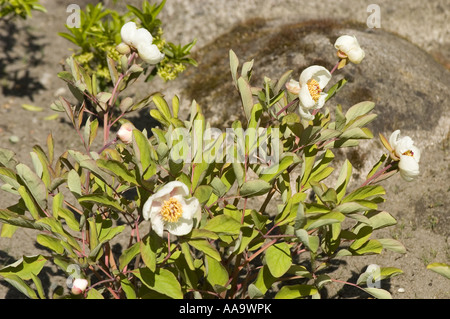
123,48
348,47
293,87
79,286
125,133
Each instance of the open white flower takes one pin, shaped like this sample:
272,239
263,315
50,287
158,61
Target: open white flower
312,81
141,40
169,209
407,154
348,47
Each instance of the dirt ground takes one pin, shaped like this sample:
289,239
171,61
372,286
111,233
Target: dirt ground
31,54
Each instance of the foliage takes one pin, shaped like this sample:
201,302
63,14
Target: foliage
271,224
19,8
99,33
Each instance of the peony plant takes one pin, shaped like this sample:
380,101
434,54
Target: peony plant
252,212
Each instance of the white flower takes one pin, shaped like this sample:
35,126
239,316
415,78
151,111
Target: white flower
125,133
312,81
169,209
141,40
128,33
150,53
348,47
407,154
79,285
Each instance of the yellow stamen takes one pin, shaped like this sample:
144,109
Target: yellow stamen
409,153
171,210
314,89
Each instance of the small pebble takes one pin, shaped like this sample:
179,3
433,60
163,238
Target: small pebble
401,290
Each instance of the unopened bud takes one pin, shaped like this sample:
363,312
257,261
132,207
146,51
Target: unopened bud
79,286
123,48
125,133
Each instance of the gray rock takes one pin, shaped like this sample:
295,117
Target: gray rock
409,87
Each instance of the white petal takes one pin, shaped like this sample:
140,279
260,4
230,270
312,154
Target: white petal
409,168
150,53
393,138
128,33
171,189
304,113
321,100
143,36
306,101
191,206
158,225
416,152
316,72
345,42
181,227
356,55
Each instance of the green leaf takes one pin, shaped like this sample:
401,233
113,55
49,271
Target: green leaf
264,280
393,245
362,237
162,106
205,247
440,268
359,109
223,224
50,242
234,64
343,179
254,188
94,294
148,253
142,150
70,219
32,108
11,218
246,96
29,202
74,183
371,246
296,291
20,285
357,133
101,200
325,219
310,242
128,255
378,293
118,169
203,193
216,274
335,88
278,259
162,281
25,267
381,219
127,287
34,185
364,192
89,163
